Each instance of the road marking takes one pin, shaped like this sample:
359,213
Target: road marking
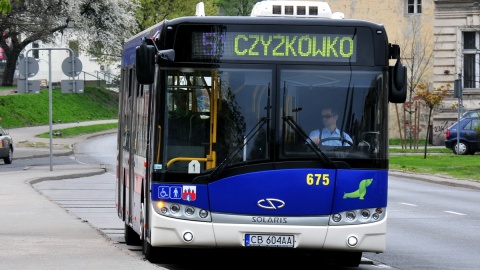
455,213
409,204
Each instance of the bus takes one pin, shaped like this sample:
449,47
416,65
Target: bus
214,145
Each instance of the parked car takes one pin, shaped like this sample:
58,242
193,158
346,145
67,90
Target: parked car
6,146
471,113
469,142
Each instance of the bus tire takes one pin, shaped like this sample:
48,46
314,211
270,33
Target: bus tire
150,253
131,237
348,259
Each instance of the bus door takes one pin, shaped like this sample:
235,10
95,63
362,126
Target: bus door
130,150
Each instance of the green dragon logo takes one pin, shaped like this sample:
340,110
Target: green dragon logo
361,191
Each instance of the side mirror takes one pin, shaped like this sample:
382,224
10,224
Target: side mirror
145,63
397,92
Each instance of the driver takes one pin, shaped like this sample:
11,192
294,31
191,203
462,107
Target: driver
330,134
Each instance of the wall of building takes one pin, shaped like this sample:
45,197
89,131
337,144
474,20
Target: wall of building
52,56
452,17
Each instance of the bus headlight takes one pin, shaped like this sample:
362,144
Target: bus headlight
180,211
189,210
175,208
203,213
365,213
188,237
336,217
358,216
351,215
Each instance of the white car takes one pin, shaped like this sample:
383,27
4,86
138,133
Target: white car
6,146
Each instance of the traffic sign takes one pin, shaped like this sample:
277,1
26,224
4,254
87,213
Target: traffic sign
29,64
67,66
68,86
32,86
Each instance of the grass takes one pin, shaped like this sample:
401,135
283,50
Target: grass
420,150
77,131
95,103
449,164
439,160
20,110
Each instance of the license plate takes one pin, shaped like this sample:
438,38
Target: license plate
269,240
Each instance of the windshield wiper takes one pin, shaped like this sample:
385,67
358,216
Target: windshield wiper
323,158
220,168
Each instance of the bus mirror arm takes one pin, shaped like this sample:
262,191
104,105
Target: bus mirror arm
166,55
149,41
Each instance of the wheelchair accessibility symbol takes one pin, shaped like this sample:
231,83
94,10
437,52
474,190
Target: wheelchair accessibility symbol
170,192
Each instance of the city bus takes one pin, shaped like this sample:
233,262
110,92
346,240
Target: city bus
214,141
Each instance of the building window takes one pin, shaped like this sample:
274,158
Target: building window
414,6
471,59
35,53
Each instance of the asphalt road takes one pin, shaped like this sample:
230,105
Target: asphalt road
82,203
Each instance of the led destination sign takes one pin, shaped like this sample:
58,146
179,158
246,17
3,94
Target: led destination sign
274,46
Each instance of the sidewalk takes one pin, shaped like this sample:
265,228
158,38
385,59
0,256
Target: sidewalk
39,234
24,140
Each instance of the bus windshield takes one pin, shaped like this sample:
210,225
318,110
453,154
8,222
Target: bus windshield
337,109
226,114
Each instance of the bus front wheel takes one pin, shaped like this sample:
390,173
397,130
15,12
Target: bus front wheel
348,259
148,251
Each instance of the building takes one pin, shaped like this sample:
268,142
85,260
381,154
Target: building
446,30
50,58
457,55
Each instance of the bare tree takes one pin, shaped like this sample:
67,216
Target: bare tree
417,49
101,26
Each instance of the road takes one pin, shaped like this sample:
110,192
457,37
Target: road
431,226
92,200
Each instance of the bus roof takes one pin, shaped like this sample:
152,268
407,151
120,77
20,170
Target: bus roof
309,9
247,20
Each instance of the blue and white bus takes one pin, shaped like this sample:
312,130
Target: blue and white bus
213,143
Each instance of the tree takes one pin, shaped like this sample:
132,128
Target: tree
432,99
236,8
151,12
417,55
101,26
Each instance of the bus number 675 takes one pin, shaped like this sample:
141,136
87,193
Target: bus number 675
317,179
